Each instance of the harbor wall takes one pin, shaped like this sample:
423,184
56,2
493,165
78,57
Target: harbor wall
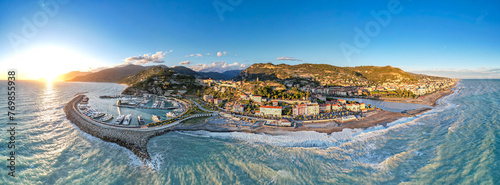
130,139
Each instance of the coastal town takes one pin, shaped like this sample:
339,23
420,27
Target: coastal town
318,103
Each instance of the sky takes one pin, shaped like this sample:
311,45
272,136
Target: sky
43,39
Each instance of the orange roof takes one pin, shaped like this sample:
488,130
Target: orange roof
271,107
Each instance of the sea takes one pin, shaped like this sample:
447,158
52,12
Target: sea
457,142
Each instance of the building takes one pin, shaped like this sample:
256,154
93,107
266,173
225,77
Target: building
299,109
284,123
325,107
217,101
306,109
271,111
312,109
256,98
352,107
238,108
336,107
362,106
243,97
207,97
341,101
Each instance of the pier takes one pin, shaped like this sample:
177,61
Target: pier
132,138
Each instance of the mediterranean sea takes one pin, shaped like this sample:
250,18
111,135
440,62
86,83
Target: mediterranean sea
457,142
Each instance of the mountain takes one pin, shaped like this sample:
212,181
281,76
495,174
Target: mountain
213,75
111,75
325,74
159,80
71,75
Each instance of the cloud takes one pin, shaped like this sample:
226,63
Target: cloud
288,58
219,54
185,63
195,55
478,73
141,60
218,66
209,53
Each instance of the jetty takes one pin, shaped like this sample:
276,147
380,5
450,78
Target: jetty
132,138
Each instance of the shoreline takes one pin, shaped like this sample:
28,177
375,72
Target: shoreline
137,140
376,117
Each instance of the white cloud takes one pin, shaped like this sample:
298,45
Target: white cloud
288,58
195,55
218,66
478,73
219,54
185,63
209,53
141,60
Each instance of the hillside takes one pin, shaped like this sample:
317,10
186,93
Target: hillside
158,80
328,75
110,75
71,75
118,74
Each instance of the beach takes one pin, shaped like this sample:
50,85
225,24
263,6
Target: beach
372,118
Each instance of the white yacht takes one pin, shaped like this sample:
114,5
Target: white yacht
119,119
156,118
127,119
140,120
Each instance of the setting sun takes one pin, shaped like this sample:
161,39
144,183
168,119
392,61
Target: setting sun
46,63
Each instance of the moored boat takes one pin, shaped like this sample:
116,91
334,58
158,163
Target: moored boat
106,117
127,119
140,120
156,118
119,119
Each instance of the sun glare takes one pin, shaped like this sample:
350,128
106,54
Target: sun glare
47,63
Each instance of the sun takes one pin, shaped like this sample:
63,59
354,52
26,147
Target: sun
48,62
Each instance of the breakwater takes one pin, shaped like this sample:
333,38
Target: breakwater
134,139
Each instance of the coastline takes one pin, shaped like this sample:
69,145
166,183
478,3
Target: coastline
374,118
136,140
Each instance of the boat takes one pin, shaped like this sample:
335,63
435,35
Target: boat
106,117
85,100
119,119
156,118
127,119
155,104
83,106
171,114
140,120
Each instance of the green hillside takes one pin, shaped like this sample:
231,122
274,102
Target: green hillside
327,74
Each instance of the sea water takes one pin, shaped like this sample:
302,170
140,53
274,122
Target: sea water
455,143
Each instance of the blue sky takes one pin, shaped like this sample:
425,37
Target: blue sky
452,38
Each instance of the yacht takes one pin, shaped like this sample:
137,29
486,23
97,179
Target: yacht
171,114
97,114
119,119
140,120
128,119
106,117
156,118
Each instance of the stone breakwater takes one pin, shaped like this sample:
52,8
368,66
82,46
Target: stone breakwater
134,139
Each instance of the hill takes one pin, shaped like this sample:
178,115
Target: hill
118,74
115,74
71,75
159,80
327,75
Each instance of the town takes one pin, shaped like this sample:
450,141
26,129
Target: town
284,105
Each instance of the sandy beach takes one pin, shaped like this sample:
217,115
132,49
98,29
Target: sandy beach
429,99
371,119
